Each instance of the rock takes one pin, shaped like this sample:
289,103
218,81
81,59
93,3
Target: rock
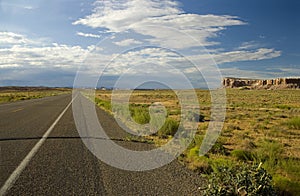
278,83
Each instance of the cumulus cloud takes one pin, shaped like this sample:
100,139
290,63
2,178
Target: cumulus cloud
28,55
25,61
119,15
10,38
24,52
18,51
127,42
88,35
161,21
42,57
166,25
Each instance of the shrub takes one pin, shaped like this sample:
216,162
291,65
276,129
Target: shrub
240,180
269,152
286,186
294,123
218,148
140,115
198,163
103,104
284,107
243,155
169,128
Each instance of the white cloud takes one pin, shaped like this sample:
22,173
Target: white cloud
192,23
19,51
268,73
28,7
166,58
88,35
119,15
9,66
159,19
94,48
291,71
9,38
239,73
127,42
243,55
70,57
249,45
42,57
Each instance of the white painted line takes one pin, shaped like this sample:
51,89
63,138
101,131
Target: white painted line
15,175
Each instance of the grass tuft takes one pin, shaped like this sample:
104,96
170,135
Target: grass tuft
294,123
169,128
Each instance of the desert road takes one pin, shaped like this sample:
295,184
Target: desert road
41,153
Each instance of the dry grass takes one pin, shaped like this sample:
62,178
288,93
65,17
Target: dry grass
12,94
262,123
251,114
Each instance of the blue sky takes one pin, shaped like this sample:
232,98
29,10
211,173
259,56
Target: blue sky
47,42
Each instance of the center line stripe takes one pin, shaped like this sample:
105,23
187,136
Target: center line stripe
15,175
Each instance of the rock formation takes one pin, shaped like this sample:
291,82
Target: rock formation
261,84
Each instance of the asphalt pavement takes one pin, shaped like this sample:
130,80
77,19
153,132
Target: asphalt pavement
41,153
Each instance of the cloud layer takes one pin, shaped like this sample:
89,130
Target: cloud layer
161,23
159,20
22,57
88,35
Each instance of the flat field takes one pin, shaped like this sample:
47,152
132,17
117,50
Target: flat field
261,126
10,94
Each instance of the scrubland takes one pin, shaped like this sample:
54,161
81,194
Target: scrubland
261,130
11,94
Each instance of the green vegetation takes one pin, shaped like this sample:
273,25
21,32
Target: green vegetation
261,126
294,123
169,128
106,105
240,180
140,114
243,155
283,107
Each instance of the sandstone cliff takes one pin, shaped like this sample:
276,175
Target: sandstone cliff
261,84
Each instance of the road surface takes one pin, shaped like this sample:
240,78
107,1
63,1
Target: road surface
41,153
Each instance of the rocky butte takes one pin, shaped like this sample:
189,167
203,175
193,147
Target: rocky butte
279,83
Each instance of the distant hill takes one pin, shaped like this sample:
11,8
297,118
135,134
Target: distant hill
27,88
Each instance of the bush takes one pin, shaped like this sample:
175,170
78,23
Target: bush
284,107
240,180
140,115
294,123
243,155
199,164
103,104
169,128
286,186
218,148
269,152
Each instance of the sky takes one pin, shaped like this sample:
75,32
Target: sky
183,43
